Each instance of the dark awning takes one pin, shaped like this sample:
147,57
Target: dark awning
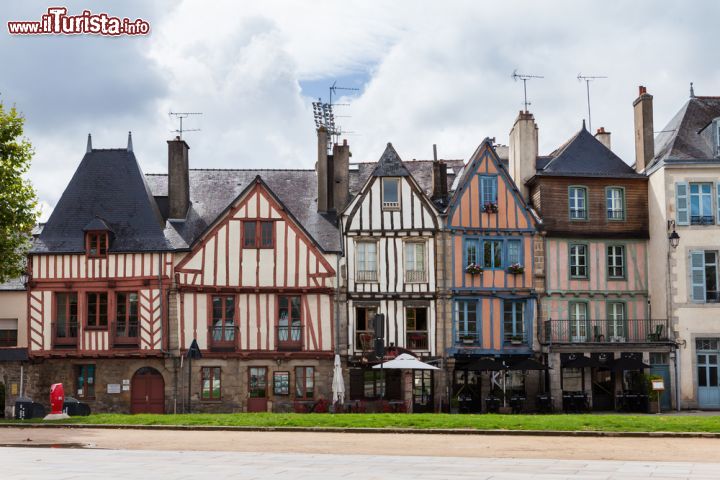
581,361
13,354
528,364
486,364
629,363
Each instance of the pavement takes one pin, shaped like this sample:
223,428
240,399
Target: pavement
108,454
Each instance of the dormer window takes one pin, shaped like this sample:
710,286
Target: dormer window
391,193
96,244
716,124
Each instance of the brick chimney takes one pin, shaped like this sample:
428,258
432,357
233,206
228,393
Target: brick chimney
644,136
341,176
324,190
603,137
523,151
178,179
439,178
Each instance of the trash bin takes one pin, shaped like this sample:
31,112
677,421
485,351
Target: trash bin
23,408
84,409
38,410
71,406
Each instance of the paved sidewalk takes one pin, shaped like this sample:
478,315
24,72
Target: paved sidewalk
43,463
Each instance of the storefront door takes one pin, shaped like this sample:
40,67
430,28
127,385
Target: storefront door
708,351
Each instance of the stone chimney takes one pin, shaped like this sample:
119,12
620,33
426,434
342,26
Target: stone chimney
322,171
603,137
341,176
523,151
178,179
439,178
644,136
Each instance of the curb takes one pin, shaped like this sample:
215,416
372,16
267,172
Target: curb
416,431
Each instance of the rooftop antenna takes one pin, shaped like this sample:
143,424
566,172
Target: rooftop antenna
324,117
181,115
524,77
333,91
588,79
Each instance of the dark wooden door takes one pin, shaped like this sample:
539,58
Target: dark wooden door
147,392
257,401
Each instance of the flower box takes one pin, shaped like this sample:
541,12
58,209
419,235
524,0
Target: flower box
516,269
473,269
490,208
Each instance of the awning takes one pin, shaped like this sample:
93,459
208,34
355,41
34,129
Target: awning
581,361
629,363
528,364
405,361
486,364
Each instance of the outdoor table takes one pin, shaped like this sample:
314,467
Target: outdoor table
492,404
516,403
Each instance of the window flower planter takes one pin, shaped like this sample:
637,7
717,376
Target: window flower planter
473,269
467,340
490,208
516,269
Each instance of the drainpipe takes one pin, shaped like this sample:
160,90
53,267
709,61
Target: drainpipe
337,289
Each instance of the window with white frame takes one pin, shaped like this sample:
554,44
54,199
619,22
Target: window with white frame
492,254
616,261
704,273
578,321
616,321
701,204
466,321
615,203
514,321
488,190
471,252
391,193
366,261
578,203
415,262
513,252
578,261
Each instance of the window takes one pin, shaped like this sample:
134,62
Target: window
492,254
281,383
578,203
97,308
366,262
258,234
513,252
211,383
616,261
415,262
126,315
289,322
514,321
364,328
615,203
223,319
373,384
467,327
704,271
66,315
391,193
578,261
701,204
416,323
616,321
8,332
96,244
304,382
471,252
258,382
85,381
578,321
488,190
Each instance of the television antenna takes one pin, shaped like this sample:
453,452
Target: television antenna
588,79
180,116
524,77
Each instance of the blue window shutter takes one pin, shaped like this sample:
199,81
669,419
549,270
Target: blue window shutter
697,273
717,204
682,216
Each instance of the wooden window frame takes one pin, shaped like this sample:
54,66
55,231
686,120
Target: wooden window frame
257,241
367,276
623,203
623,257
88,314
390,205
587,261
224,324
213,381
7,339
264,380
417,333
462,309
514,310
276,390
586,215
81,371
67,340
304,376
289,343
369,331
416,276
493,242
705,218
493,194
102,241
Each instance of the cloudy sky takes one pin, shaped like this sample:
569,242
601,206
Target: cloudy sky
427,72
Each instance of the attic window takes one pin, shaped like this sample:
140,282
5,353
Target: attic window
390,193
96,244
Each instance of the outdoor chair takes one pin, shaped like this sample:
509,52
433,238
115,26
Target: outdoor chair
657,335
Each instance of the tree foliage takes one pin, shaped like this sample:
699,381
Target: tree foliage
18,202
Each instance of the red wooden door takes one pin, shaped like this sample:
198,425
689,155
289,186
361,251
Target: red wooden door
147,392
257,401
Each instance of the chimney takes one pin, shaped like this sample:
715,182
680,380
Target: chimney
341,175
322,171
439,178
523,151
603,137
178,179
644,137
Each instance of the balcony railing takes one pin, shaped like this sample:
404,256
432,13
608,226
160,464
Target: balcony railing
603,331
222,337
289,337
415,276
366,276
467,338
702,220
65,335
416,340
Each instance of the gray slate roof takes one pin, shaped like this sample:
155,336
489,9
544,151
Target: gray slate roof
685,136
108,185
584,156
12,285
213,191
390,164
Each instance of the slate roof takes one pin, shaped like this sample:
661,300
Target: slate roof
584,156
212,192
12,285
108,185
686,137
390,164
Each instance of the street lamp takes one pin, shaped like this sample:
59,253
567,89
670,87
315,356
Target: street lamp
674,238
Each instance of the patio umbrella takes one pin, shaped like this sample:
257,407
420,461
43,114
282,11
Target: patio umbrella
528,364
338,384
486,364
582,362
405,361
629,364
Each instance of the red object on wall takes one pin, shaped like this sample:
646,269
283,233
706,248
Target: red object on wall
57,398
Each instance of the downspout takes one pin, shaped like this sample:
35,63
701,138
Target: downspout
337,289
